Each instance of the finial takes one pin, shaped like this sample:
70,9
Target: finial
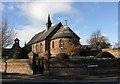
49,23
25,43
66,22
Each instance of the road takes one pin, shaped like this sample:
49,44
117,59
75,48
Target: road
59,81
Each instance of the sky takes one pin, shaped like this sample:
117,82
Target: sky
84,18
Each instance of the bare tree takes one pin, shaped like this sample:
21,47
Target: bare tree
7,34
73,47
96,39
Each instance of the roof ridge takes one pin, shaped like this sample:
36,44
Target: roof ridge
43,35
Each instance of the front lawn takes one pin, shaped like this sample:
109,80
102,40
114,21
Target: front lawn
79,57
11,59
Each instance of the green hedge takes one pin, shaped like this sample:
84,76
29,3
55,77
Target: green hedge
62,56
46,53
104,55
17,54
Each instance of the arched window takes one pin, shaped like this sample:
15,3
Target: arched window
33,48
40,47
61,43
36,48
53,44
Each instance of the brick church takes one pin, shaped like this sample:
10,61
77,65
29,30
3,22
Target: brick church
54,39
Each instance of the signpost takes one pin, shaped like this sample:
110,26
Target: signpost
92,69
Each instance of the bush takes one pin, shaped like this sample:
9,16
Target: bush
31,53
25,53
104,55
17,54
62,56
46,53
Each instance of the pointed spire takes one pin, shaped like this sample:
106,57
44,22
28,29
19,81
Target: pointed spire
66,22
25,43
49,23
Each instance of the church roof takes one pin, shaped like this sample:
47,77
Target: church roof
44,34
35,37
65,31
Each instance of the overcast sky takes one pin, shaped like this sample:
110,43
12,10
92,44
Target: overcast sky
84,18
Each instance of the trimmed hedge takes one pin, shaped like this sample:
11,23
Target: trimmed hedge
17,54
46,53
104,55
62,56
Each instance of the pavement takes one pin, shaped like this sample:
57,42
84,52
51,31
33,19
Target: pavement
39,78
59,81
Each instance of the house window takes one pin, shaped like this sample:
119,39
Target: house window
61,43
36,48
75,42
53,44
33,48
40,47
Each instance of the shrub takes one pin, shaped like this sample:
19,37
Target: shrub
104,55
17,54
46,53
25,53
62,56
31,53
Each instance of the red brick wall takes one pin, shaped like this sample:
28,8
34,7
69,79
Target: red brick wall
57,48
116,53
21,67
38,51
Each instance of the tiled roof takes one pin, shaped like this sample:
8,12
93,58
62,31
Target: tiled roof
64,31
43,35
35,37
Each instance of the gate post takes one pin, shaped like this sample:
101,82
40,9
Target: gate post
46,66
32,61
46,55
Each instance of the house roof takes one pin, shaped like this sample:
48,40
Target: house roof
61,32
65,31
35,37
43,35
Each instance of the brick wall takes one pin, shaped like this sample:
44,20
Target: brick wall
80,67
116,53
21,67
57,48
39,50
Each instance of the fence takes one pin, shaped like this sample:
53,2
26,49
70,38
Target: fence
16,66
77,67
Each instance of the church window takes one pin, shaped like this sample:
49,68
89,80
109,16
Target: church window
33,47
61,43
53,44
40,47
36,48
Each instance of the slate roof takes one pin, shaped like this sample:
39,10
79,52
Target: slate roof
64,31
35,37
43,35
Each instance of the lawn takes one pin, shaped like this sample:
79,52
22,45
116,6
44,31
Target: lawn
79,57
11,59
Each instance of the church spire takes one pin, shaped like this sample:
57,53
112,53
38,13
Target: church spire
49,23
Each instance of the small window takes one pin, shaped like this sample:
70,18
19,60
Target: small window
61,43
33,48
40,47
17,41
36,48
53,44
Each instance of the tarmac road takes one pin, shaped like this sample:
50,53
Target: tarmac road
61,81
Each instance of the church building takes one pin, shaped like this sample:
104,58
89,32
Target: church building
54,39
